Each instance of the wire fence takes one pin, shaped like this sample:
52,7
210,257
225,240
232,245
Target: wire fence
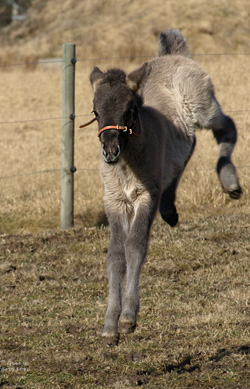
96,169
89,114
97,59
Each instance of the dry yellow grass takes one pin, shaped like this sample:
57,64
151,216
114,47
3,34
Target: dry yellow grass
32,202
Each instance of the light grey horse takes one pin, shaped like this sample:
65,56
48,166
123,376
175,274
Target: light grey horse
147,122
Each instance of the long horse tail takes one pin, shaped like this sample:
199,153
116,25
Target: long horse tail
172,42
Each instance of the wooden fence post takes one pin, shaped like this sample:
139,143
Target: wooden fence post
68,128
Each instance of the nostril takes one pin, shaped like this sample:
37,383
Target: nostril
103,151
117,151
110,153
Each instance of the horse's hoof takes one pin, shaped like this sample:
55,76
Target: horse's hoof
235,194
126,327
109,340
171,219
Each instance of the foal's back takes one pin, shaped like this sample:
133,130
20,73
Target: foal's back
180,90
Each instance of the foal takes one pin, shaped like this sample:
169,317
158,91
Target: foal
147,122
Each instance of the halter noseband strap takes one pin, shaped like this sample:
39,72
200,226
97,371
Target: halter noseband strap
119,128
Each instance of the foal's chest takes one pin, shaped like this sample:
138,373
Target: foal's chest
121,182
131,186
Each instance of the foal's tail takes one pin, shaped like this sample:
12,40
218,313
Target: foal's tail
171,41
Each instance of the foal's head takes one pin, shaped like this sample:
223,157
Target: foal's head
115,105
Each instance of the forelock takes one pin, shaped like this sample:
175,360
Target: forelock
114,77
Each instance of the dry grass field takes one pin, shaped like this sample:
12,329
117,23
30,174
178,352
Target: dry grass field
31,202
193,329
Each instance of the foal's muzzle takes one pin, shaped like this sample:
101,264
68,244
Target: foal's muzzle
111,154
110,147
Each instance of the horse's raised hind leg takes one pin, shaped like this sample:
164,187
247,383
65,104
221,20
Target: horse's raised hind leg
136,249
225,134
116,268
167,208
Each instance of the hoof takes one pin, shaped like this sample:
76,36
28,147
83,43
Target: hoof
109,340
126,327
235,194
228,178
171,219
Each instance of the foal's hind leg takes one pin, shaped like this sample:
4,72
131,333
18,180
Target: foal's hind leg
167,208
225,133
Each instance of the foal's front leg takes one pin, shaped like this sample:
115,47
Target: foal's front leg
136,249
116,268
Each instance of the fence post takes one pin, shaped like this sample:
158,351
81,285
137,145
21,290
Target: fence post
68,124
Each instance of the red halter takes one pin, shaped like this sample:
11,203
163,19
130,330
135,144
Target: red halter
119,128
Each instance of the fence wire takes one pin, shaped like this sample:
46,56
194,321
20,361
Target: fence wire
44,119
97,59
89,114
97,169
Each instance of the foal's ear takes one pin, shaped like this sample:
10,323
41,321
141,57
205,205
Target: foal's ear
136,78
95,77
